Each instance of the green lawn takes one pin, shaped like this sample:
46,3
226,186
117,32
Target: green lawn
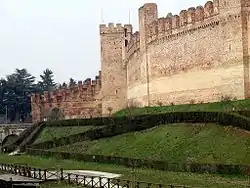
237,105
49,133
58,185
174,143
148,175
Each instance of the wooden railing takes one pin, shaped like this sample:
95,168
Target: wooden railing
81,180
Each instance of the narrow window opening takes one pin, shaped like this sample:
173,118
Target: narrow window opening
116,91
126,32
126,42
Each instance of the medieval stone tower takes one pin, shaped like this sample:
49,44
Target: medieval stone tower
147,14
114,74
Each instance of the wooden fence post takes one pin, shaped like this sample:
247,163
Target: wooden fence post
62,177
39,174
68,178
100,181
77,179
45,174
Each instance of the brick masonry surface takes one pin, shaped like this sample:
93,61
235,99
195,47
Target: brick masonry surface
200,55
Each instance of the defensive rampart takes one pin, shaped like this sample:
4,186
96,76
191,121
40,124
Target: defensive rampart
196,56
79,101
200,55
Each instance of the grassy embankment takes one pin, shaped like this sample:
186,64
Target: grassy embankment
174,143
49,132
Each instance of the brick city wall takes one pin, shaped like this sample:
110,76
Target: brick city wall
200,55
82,101
196,56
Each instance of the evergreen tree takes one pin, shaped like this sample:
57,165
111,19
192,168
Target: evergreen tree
15,94
15,91
47,82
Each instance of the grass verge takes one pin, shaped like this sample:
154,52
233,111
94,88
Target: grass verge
147,175
58,185
237,105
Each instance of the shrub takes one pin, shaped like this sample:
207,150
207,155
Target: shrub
226,98
159,103
110,109
192,101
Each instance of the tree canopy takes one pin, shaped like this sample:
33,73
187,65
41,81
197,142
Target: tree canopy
47,82
15,92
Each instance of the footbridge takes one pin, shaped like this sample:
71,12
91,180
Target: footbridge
11,131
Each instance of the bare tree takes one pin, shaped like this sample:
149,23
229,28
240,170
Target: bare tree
159,103
110,109
99,110
192,101
226,98
91,112
131,107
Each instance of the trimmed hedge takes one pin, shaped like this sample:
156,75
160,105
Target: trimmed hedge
226,169
97,121
244,113
120,125
223,118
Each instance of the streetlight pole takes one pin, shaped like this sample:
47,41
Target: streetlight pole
6,111
6,114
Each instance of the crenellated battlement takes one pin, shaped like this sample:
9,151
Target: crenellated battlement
84,91
171,26
115,28
187,18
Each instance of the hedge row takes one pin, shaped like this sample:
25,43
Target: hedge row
125,119
169,117
124,125
244,113
226,169
96,121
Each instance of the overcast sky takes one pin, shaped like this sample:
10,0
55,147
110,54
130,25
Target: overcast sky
63,35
